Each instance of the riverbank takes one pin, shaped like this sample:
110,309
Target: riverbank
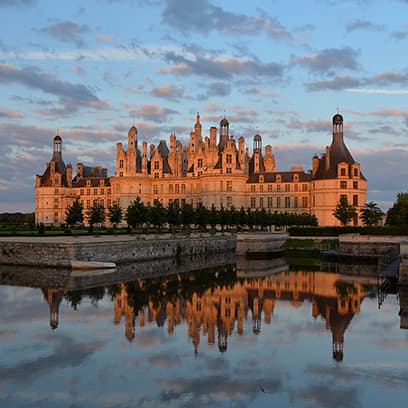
61,251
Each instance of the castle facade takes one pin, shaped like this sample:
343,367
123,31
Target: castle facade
215,169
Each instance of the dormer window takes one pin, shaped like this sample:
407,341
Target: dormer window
278,178
296,177
261,179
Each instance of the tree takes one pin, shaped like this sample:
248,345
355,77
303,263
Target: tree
115,213
74,213
95,214
371,214
173,213
136,213
213,217
398,213
344,212
187,215
157,214
202,216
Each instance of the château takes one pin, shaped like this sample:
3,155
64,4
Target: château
215,169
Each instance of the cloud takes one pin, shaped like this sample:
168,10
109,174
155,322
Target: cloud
390,77
6,113
363,25
77,69
328,59
399,35
67,31
150,111
378,91
221,67
325,395
168,91
218,89
202,17
338,83
309,125
71,96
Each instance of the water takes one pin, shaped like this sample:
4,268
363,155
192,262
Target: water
256,334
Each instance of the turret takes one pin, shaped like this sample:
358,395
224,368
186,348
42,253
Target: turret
224,132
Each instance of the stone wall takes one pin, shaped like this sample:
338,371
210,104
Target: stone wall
61,254
368,248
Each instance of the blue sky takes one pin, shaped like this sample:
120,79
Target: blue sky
279,68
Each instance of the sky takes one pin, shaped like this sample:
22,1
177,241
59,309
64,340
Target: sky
281,68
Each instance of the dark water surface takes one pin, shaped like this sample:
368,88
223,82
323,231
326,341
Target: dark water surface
250,334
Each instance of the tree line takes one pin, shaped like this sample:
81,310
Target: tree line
138,215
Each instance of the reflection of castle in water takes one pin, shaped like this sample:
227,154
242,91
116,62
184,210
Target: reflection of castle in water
215,313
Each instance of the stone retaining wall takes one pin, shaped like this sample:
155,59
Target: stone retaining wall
61,254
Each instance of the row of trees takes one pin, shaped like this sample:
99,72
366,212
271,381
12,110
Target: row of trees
138,214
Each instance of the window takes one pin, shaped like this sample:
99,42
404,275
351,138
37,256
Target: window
156,175
355,185
156,165
343,184
229,201
200,163
355,200
278,187
253,202
155,189
229,185
229,170
278,178
81,191
269,202
121,164
183,189
355,172
287,187
304,187
304,202
296,177
109,191
296,187
177,188
278,202
170,188
88,191
121,174
261,202
261,188
229,158
253,188
56,191
88,203
269,188
342,172
296,202
102,191
95,191
287,202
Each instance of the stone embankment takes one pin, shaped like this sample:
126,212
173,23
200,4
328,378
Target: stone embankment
61,251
